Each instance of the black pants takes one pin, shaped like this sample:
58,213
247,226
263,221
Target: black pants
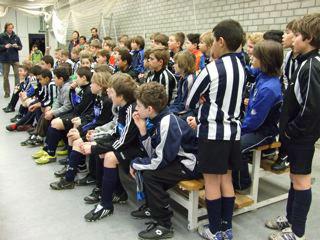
14,99
156,184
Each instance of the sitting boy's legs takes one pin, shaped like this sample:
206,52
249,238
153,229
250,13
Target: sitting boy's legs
156,183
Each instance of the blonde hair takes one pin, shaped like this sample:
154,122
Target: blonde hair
255,37
207,38
102,79
186,61
86,54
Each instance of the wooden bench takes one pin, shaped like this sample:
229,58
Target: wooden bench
191,195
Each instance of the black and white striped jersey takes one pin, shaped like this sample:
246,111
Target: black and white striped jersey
220,84
167,79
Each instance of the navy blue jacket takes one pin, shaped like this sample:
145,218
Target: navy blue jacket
8,55
184,86
263,111
137,60
171,139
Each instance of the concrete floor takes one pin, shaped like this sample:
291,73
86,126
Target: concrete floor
29,210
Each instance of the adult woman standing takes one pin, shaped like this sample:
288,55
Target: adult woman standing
10,44
74,42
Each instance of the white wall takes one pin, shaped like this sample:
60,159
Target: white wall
23,25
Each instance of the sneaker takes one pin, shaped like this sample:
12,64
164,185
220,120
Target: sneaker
39,154
278,223
286,234
26,142
63,152
61,143
98,213
88,180
8,109
16,118
280,164
205,232
11,127
94,196
142,212
36,142
227,235
120,198
269,154
63,161
23,128
62,184
156,231
61,172
46,159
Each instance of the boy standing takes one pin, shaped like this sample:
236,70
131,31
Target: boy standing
299,127
219,86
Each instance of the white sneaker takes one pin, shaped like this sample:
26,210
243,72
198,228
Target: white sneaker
278,223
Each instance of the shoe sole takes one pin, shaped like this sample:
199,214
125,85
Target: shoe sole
88,220
120,202
50,161
171,235
89,203
54,188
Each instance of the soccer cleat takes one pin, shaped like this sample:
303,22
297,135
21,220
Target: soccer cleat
63,161
8,109
36,142
94,196
88,180
98,213
227,235
62,185
63,152
285,234
142,212
61,143
120,198
39,154
16,118
11,127
156,231
280,164
278,223
46,159
205,233
61,172
23,128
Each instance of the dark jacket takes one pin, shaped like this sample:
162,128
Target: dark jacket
169,140
300,117
8,55
82,101
124,135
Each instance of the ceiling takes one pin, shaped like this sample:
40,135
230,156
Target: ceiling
30,4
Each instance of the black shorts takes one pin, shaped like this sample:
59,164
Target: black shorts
125,156
300,156
217,157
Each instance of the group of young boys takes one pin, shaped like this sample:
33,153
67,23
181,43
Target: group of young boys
166,114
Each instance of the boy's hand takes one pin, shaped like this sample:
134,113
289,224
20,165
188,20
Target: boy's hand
76,122
33,107
73,134
140,123
132,172
192,122
202,100
48,115
73,85
85,148
8,45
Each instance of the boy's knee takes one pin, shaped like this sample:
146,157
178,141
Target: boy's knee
301,182
57,124
110,160
77,142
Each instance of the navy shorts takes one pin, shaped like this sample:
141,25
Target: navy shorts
217,157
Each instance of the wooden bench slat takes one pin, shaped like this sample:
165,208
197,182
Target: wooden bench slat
269,146
191,185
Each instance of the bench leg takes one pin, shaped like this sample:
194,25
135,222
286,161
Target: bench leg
192,208
255,175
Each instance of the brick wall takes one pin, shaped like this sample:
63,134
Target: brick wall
144,17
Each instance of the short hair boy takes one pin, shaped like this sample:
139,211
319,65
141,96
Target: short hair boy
161,40
299,127
175,44
192,44
166,163
137,51
219,126
124,63
158,60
